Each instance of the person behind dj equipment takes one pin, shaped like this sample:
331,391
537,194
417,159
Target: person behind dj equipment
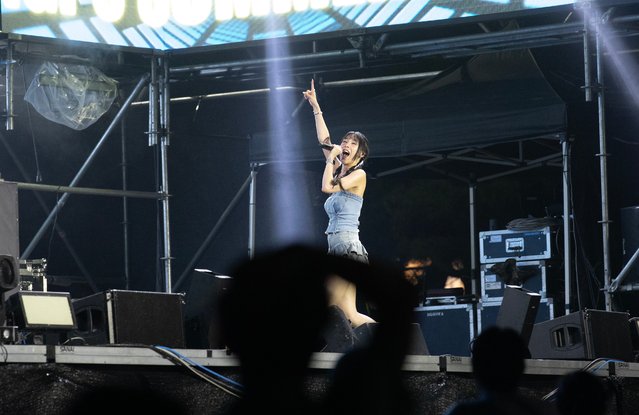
455,278
345,181
414,272
424,274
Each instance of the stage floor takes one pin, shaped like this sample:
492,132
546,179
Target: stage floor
146,356
44,379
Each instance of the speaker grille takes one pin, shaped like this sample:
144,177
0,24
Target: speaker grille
130,317
584,335
148,318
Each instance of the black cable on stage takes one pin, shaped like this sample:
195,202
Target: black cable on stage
227,385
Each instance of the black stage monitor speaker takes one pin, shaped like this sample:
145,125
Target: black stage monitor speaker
9,280
201,315
337,335
417,345
583,335
518,310
9,272
130,317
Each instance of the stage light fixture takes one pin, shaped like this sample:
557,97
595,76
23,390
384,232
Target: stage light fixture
72,95
46,310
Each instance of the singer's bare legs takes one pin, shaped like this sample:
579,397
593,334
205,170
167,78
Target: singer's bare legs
343,294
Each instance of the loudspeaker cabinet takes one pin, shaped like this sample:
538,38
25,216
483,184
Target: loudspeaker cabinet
583,335
130,317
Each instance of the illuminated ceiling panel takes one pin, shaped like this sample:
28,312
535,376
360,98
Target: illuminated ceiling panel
177,24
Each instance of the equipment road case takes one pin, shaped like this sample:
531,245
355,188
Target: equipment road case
487,313
447,329
492,286
499,245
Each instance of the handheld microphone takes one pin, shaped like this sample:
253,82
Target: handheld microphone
328,147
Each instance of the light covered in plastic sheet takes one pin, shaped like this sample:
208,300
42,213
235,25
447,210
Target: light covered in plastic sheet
72,95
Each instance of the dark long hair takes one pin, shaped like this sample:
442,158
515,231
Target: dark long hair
363,148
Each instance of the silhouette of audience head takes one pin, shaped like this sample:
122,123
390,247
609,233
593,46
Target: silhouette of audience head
498,358
273,316
581,393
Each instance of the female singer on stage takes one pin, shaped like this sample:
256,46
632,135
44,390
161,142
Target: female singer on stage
345,181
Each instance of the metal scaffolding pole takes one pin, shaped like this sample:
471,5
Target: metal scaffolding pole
587,63
614,285
9,88
84,168
159,134
252,208
88,191
164,166
57,227
567,220
472,189
603,172
125,205
153,104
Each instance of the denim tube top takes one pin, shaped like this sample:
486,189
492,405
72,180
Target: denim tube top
343,210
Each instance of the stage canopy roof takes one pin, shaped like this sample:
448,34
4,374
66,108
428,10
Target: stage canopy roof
489,99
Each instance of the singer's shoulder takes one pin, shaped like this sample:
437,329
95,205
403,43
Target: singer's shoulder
359,173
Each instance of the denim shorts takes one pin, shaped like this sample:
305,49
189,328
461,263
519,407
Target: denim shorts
347,244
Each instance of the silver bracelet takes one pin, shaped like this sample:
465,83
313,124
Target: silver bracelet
331,162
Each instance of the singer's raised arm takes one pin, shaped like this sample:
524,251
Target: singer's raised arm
323,135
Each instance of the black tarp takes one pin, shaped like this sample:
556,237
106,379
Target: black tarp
491,98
